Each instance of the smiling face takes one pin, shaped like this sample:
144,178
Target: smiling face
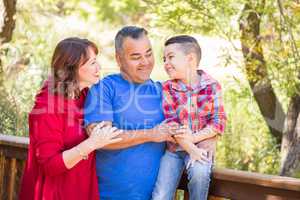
136,59
88,73
177,64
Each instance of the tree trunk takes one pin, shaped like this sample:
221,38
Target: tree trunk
9,20
256,68
290,148
6,33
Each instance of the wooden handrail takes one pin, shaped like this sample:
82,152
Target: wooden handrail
228,183
15,141
279,182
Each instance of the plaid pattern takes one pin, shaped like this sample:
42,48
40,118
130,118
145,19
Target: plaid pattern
198,106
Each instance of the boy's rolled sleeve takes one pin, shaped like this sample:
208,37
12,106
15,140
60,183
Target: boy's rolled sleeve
218,117
169,106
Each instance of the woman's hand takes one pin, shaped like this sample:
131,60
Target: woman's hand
102,135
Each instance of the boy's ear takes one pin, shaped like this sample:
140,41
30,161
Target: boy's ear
192,58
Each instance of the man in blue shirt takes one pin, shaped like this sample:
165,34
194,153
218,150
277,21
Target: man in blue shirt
130,101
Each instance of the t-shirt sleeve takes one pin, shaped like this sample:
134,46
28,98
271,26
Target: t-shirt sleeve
98,103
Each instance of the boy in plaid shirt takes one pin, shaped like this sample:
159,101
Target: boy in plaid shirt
193,99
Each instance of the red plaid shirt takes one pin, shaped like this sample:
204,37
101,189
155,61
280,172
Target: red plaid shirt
198,106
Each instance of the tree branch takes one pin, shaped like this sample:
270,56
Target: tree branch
9,20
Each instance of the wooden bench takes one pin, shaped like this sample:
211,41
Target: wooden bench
226,183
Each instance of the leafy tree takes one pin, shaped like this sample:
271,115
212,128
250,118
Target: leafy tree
261,25
5,36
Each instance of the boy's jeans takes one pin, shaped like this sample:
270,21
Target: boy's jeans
171,168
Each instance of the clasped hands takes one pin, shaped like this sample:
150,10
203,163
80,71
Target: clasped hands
172,131
184,137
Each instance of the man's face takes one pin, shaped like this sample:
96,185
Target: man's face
136,59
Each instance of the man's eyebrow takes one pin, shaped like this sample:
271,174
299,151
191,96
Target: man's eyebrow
135,54
138,54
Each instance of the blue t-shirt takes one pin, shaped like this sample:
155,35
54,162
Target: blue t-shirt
126,174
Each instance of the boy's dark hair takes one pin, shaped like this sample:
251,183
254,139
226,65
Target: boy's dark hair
187,43
128,31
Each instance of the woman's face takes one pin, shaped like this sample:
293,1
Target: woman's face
88,74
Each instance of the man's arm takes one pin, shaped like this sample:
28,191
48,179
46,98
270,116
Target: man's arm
160,133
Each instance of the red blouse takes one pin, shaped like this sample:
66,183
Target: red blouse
55,125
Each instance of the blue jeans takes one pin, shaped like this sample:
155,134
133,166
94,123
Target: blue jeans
171,168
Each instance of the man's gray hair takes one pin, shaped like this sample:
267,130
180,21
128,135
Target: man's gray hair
128,31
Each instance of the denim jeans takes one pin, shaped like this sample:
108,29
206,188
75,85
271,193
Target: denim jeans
171,168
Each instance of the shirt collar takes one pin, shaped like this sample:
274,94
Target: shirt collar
204,80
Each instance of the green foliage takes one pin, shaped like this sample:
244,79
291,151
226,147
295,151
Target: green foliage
221,18
26,59
206,17
247,143
281,39
119,12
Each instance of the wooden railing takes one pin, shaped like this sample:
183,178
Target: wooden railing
226,183
13,153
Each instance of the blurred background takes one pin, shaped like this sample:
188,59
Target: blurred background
250,46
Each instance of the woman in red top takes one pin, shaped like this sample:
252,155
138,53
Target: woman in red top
61,160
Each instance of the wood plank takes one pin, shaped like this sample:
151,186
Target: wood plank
265,180
15,141
211,197
232,184
2,168
20,167
12,178
14,152
248,191
6,178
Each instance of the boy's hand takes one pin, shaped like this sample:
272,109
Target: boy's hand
164,132
185,133
200,155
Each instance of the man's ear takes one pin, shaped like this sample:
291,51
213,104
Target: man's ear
118,58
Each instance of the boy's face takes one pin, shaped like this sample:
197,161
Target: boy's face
176,63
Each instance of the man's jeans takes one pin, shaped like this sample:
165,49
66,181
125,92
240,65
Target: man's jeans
171,168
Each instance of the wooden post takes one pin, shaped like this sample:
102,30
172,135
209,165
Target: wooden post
12,179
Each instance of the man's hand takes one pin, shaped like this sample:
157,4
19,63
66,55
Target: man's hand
164,132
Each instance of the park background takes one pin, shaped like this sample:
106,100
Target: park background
250,46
